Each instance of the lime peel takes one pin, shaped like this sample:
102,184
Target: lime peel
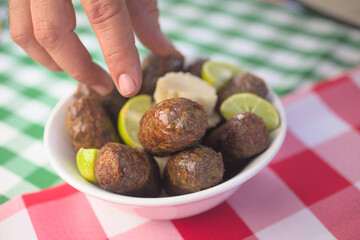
219,73
85,160
249,102
130,116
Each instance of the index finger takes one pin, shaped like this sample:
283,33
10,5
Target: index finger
111,23
54,22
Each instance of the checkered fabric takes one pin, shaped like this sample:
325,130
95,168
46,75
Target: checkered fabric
311,190
289,47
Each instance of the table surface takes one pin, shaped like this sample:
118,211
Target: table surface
310,190
289,47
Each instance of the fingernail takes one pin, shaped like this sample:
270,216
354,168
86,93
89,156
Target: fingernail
100,89
126,84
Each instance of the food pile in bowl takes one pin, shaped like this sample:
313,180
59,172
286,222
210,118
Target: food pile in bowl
188,129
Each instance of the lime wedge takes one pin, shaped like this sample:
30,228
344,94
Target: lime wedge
85,160
248,102
219,73
129,118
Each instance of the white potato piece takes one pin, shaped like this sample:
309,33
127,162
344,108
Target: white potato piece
162,161
186,85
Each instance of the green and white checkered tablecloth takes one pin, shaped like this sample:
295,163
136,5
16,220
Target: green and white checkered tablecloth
289,48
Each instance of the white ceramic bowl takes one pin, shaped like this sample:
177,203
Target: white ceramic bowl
62,158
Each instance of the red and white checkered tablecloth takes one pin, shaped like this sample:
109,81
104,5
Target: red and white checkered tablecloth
311,190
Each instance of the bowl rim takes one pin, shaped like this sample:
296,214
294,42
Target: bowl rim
95,191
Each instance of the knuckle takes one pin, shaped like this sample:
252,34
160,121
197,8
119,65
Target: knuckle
84,73
147,6
151,7
114,56
80,76
21,36
100,11
46,34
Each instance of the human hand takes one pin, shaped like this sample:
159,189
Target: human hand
45,30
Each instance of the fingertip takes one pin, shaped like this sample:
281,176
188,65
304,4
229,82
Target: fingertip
159,44
166,48
101,89
127,86
106,85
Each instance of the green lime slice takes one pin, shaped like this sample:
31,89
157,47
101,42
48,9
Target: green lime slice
130,116
248,102
219,73
85,160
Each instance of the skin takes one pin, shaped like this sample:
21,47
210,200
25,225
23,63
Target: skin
45,30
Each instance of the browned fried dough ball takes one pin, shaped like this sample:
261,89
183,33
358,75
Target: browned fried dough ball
245,82
88,123
84,90
241,137
155,66
196,66
113,103
193,170
172,125
127,170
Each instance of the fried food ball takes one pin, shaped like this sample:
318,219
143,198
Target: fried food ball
84,90
113,103
155,66
241,137
196,66
172,125
244,82
88,123
127,170
193,170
